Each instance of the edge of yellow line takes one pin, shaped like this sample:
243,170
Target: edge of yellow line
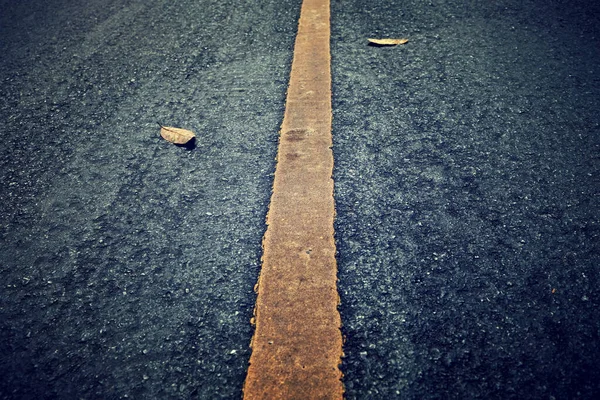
297,344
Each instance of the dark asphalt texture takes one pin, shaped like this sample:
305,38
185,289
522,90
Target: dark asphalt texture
467,192
128,264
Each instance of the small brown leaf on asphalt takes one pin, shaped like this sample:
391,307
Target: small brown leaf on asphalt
387,42
176,135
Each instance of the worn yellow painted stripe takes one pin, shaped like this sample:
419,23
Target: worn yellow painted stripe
297,345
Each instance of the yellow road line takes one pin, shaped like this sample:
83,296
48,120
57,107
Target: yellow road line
297,345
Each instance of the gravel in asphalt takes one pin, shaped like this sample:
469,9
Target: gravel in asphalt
467,177
128,263
467,189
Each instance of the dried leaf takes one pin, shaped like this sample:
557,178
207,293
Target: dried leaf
176,135
387,42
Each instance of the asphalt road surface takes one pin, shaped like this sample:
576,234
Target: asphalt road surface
467,191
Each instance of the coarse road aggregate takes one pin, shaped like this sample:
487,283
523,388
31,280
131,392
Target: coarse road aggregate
128,263
467,177
467,194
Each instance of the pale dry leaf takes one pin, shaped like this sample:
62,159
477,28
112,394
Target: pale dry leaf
387,42
176,135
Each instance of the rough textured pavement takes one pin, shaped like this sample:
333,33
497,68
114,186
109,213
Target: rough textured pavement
467,189
467,177
128,263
